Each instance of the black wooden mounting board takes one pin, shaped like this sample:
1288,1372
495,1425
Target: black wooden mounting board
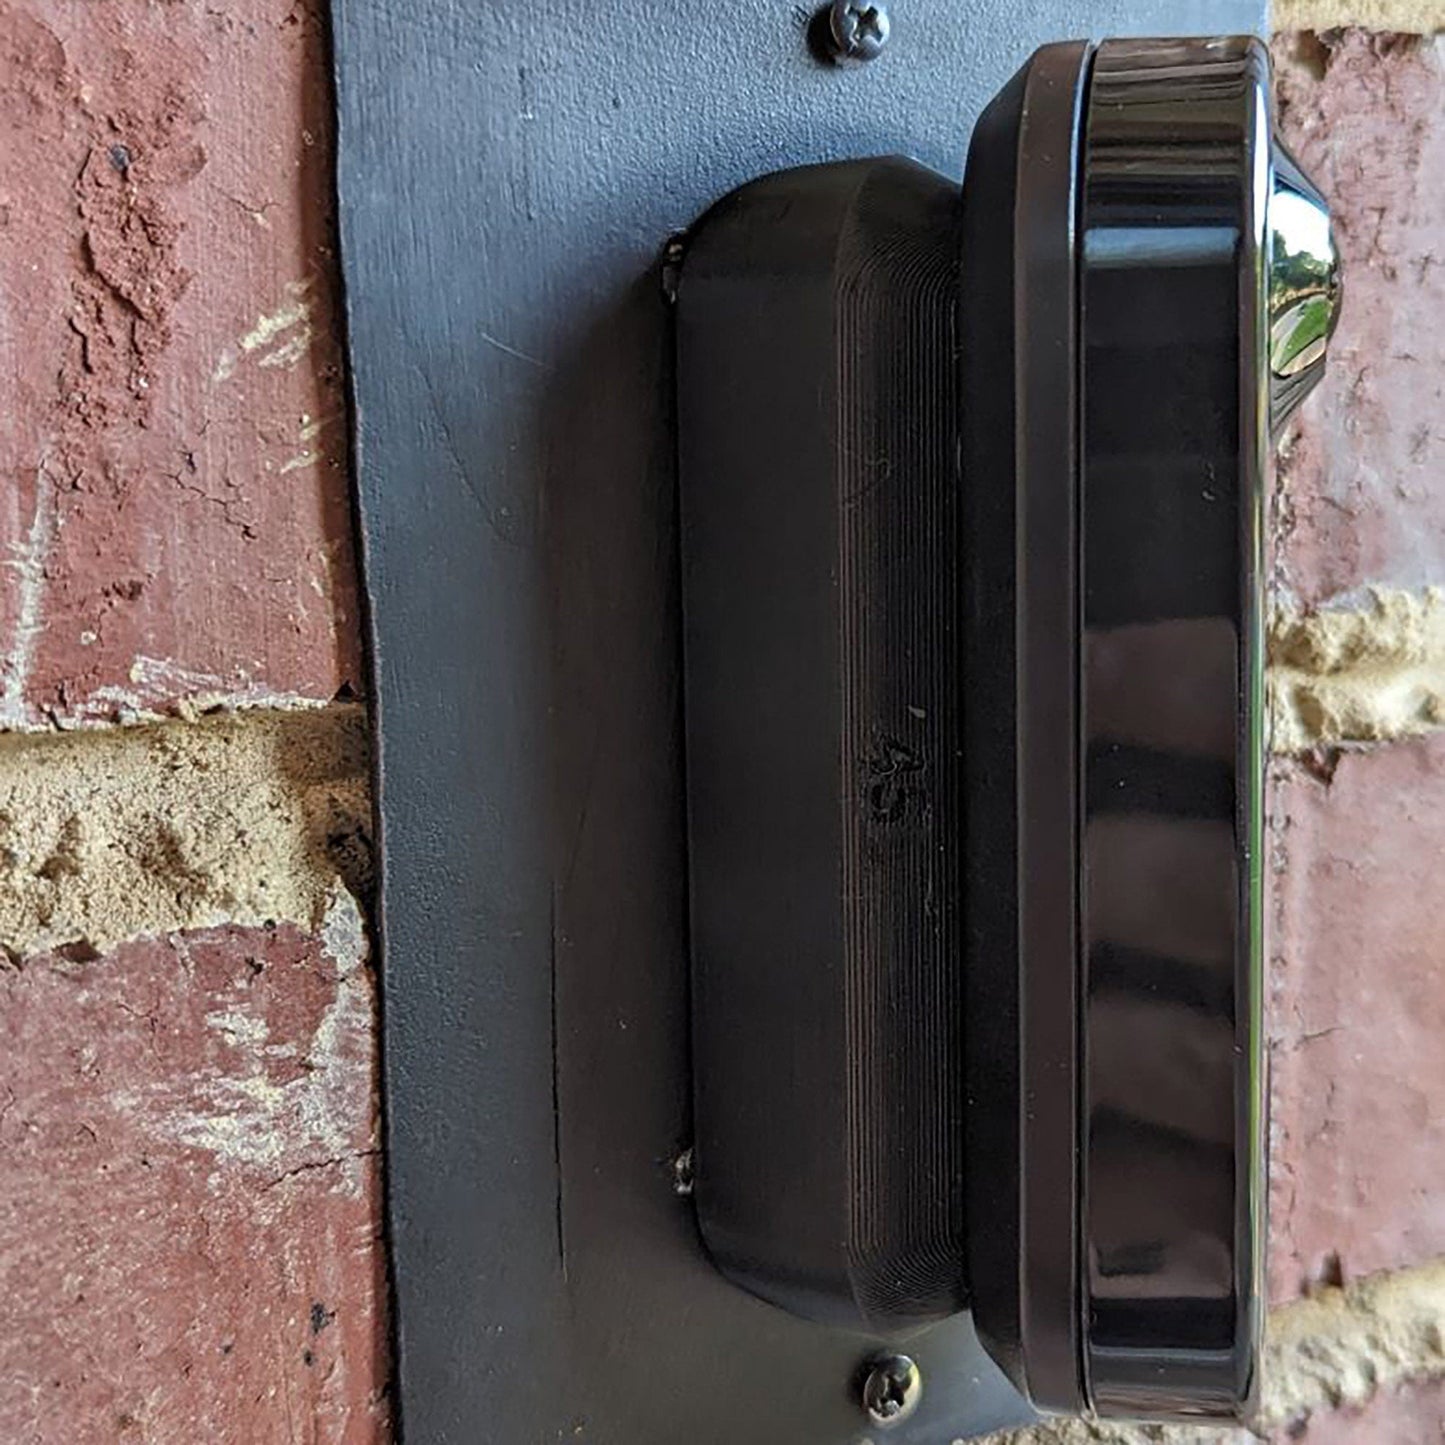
508,173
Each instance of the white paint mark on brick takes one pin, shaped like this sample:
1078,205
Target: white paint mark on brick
268,328
290,324
343,931
29,565
243,1030
161,687
291,350
249,1119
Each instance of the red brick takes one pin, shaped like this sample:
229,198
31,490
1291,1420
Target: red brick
1357,1017
172,526
1358,1163
189,1195
1360,498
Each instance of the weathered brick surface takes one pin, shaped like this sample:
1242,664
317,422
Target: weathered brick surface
189,1178
173,496
1358,1010
1414,1415
1360,499
1358,1017
188,1192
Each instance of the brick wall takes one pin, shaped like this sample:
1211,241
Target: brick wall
189,1206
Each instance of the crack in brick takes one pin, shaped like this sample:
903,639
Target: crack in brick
335,1161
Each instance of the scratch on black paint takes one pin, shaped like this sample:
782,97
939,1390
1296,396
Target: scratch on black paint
556,1096
458,464
512,351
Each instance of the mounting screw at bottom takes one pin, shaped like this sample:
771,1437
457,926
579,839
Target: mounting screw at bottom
892,1389
671,265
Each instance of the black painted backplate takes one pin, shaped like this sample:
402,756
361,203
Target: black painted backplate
508,173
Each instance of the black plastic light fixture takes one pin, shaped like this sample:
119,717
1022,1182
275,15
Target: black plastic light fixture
972,494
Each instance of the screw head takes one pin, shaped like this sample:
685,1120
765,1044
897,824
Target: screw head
892,1389
860,28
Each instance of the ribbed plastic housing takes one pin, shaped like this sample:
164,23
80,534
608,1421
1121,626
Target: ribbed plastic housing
816,335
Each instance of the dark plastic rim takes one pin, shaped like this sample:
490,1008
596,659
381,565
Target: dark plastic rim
1046,641
1137,434
1176,167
